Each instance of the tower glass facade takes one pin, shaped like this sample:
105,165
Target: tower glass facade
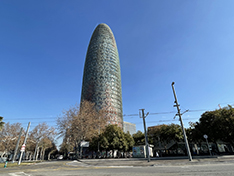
102,78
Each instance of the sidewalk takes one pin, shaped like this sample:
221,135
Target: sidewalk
162,161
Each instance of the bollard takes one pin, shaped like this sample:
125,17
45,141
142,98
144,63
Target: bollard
5,164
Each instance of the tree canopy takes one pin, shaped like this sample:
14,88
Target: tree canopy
44,136
80,123
113,137
139,138
166,133
217,124
9,136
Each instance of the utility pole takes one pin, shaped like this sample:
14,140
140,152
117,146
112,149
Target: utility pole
17,145
181,121
146,139
25,140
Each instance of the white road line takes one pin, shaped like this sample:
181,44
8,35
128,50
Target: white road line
18,174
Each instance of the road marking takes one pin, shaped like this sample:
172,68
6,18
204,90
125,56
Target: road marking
48,162
18,174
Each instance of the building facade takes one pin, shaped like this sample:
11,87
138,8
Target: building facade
101,78
129,127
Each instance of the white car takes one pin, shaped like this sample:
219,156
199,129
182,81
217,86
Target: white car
60,157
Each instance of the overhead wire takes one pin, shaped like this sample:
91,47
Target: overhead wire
51,120
124,115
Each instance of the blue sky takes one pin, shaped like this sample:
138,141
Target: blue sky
43,45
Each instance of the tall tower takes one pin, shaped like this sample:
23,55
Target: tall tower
101,78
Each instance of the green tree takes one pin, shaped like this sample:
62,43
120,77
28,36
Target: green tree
139,138
113,138
154,133
171,132
1,123
130,141
217,124
166,133
194,135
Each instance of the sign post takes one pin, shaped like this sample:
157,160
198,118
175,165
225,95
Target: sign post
22,148
83,144
205,136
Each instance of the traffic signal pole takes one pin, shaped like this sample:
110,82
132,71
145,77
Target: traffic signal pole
181,122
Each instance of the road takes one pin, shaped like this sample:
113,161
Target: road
69,168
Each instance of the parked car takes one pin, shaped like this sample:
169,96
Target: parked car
60,157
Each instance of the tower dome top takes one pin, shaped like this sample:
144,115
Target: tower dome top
104,27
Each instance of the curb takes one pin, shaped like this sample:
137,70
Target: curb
164,161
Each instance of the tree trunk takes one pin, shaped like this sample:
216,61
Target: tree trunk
50,154
177,149
3,153
76,146
26,155
41,153
37,153
30,156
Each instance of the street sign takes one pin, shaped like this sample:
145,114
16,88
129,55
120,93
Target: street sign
205,136
22,148
84,144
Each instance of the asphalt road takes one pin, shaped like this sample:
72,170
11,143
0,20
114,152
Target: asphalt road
73,168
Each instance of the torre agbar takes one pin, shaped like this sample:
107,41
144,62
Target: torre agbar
101,78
